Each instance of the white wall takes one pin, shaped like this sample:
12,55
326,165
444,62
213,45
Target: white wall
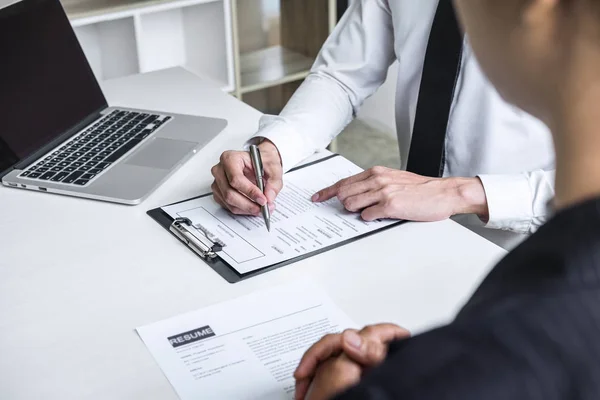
378,110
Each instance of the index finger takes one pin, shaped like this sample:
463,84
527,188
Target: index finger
326,347
385,332
332,191
245,186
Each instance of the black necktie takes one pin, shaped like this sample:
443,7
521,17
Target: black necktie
440,72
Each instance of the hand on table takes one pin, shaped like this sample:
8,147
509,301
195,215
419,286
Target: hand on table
235,187
337,361
388,193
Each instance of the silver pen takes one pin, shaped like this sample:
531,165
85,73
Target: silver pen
259,174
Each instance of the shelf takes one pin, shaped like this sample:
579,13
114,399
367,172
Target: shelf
110,48
151,35
99,10
272,66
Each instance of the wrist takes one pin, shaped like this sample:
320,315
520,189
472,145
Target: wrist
470,198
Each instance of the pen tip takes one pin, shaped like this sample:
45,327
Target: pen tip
268,226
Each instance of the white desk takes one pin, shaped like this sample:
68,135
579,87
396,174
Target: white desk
77,276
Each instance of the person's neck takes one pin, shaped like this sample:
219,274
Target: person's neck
576,133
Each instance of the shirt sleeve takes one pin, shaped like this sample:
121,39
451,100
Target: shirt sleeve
519,203
350,67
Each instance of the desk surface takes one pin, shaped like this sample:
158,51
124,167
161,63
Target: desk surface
77,276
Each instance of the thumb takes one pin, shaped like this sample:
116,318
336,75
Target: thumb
363,351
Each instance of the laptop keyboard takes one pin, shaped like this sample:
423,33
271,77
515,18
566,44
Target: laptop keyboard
83,158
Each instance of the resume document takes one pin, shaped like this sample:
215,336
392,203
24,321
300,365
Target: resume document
246,348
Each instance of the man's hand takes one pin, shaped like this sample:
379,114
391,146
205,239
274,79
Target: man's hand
388,193
235,187
333,377
367,348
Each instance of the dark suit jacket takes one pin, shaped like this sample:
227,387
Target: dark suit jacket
531,330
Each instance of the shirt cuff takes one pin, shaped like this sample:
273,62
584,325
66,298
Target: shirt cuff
509,202
292,147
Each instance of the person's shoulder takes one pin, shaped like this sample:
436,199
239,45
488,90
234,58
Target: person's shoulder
519,353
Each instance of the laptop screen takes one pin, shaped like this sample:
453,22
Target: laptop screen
46,83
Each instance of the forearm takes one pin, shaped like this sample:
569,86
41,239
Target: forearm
315,114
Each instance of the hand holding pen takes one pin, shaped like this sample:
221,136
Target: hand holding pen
235,188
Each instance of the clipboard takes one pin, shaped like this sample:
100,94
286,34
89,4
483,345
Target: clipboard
207,247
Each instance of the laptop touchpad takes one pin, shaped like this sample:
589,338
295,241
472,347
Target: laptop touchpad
161,153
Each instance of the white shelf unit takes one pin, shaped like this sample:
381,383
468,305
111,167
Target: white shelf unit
220,40
124,37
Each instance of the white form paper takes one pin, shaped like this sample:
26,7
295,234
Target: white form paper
246,348
298,226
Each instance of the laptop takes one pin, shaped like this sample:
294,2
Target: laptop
57,132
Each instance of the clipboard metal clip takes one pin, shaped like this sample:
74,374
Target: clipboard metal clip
201,244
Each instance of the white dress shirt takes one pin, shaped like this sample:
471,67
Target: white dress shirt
508,149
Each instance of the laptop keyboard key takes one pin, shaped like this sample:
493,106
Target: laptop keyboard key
59,177
88,176
126,147
47,176
81,182
25,174
143,134
73,177
150,119
103,165
35,175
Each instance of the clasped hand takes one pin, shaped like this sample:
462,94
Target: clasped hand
337,361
